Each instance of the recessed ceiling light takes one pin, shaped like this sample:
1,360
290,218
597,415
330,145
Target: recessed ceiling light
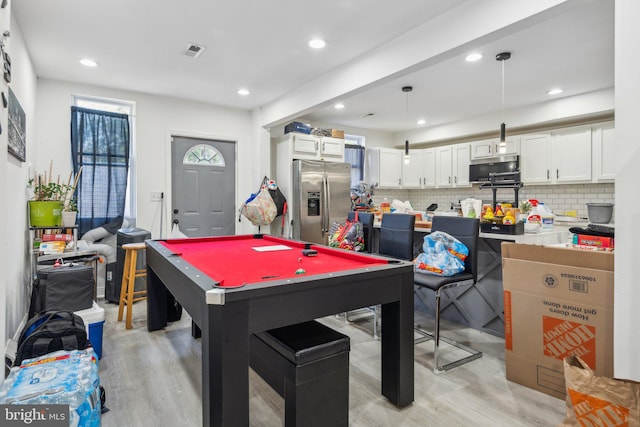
243,92
473,57
421,122
339,106
88,62
554,91
317,43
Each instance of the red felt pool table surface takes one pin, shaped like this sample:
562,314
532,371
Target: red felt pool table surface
237,260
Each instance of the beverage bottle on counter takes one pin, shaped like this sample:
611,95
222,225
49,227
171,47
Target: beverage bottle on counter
534,220
546,217
385,206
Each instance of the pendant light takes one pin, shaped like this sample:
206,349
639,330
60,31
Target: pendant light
407,89
502,146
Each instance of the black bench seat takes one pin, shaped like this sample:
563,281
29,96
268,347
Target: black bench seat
308,365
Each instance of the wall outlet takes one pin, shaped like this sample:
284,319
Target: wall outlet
156,196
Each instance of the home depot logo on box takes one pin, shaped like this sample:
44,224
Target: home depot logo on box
562,338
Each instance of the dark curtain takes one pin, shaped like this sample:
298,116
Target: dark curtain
354,155
100,145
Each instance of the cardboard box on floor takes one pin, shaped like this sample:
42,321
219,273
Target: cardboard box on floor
557,302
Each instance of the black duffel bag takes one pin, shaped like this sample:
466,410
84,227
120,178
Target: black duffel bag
51,331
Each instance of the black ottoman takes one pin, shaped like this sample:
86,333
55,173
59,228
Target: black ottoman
308,365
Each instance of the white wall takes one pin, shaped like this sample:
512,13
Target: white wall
157,118
15,280
627,268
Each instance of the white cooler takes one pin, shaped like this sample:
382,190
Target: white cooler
93,319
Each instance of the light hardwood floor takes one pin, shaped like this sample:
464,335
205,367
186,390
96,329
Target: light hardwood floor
153,379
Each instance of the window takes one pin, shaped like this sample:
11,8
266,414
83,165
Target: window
354,155
101,143
203,154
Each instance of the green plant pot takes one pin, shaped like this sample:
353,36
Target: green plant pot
45,213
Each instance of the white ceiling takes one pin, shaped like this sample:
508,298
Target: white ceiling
262,46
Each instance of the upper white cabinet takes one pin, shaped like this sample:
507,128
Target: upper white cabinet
535,159
452,165
383,167
491,147
603,153
331,149
562,156
412,171
310,147
429,168
571,156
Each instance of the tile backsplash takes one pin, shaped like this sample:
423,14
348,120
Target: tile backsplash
559,198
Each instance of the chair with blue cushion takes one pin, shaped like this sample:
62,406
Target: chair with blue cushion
466,230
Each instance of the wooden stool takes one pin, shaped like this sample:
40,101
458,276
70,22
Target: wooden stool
128,294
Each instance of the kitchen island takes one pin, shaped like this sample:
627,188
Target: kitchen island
481,306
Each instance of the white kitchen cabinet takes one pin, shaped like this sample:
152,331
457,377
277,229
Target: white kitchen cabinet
420,172
331,149
491,147
571,156
558,157
603,153
452,165
383,167
535,158
429,168
311,147
461,159
412,171
444,167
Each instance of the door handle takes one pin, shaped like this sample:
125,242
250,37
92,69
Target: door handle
175,221
547,173
557,173
175,211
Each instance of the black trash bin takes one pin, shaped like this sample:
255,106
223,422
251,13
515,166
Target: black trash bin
124,236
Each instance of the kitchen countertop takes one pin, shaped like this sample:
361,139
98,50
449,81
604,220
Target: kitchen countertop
559,234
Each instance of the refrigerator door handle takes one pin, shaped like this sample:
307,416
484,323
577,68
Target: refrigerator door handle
325,205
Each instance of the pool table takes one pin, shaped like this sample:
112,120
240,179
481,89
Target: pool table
234,286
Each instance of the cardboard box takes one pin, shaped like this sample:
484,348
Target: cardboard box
297,127
557,302
335,133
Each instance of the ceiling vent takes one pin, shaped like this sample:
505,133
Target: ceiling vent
193,50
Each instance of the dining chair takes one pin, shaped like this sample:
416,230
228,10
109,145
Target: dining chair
466,230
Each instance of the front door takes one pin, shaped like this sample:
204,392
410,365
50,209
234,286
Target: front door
203,186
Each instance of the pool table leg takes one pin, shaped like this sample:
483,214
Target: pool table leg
157,295
225,367
397,346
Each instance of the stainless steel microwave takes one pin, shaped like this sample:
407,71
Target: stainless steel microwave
479,170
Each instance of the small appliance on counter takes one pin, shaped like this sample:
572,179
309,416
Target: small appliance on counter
600,213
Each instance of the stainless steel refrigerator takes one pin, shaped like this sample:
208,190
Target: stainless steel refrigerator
321,195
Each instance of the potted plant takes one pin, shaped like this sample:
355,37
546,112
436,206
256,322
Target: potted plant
525,208
50,199
69,213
